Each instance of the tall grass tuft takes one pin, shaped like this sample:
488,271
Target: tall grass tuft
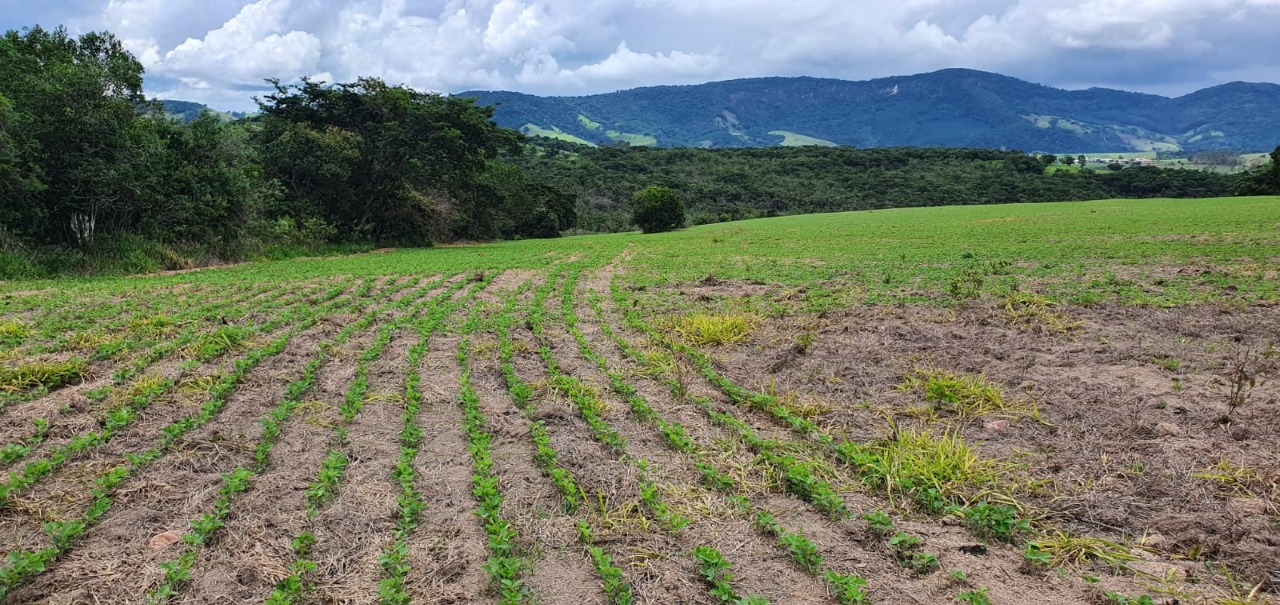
41,375
713,329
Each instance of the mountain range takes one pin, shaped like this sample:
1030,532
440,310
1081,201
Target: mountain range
947,108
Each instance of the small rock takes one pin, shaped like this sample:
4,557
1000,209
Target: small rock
164,539
998,426
1165,429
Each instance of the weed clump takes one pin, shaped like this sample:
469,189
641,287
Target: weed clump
1060,548
1033,312
1242,480
91,340
41,375
13,331
158,324
937,471
963,395
713,329
217,342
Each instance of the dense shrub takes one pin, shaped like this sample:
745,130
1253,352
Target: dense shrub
657,209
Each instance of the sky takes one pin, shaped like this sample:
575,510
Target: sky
220,52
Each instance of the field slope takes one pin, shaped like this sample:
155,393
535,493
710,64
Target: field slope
1035,403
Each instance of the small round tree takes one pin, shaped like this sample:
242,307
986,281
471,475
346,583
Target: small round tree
657,209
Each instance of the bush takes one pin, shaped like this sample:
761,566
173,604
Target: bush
657,209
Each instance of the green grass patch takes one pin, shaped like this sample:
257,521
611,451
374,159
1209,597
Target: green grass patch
937,471
533,130
221,340
41,375
13,331
964,395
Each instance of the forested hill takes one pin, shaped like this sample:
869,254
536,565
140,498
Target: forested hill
188,111
948,108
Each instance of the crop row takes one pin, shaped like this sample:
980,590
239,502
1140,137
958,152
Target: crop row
23,565
197,348
797,478
203,528
505,566
137,398
409,502
323,489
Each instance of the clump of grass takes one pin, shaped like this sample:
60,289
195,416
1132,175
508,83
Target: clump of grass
217,342
808,407
41,375
713,329
153,325
1035,312
936,470
1240,479
199,384
13,331
315,413
963,394
1060,548
1169,364
146,386
91,340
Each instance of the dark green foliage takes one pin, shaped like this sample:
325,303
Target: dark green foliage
998,522
73,119
521,207
211,182
380,162
1262,181
733,184
92,178
657,209
96,179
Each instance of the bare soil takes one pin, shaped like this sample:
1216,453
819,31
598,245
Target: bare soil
1132,401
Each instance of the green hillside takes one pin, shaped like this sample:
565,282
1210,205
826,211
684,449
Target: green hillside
948,108
186,111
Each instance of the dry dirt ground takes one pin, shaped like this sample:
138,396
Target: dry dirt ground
1132,442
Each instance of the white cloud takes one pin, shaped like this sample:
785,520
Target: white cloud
248,48
224,48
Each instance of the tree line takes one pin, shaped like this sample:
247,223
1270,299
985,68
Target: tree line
96,178
730,184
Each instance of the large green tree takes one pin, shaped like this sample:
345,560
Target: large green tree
74,114
378,162
208,184
524,207
657,209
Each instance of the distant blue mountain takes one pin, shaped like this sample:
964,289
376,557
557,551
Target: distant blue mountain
948,108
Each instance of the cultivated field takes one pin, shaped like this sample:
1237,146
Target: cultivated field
1056,403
